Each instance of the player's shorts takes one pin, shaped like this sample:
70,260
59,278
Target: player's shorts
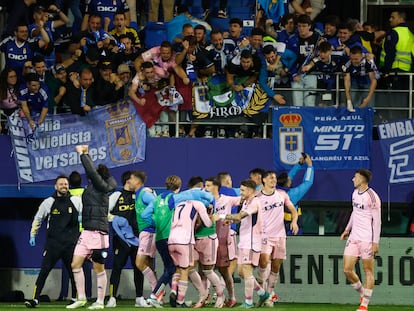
232,245
226,251
358,249
182,255
146,244
248,256
276,247
90,241
206,250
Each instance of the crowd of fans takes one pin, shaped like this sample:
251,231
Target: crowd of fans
105,59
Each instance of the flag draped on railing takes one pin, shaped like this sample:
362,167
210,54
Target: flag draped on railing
215,99
334,138
397,144
115,135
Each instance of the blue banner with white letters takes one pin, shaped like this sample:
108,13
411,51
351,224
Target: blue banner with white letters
115,135
397,144
335,138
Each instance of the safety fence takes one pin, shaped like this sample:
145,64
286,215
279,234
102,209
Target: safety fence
393,100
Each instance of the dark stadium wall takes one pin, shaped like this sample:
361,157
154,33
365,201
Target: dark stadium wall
184,157
206,157
343,9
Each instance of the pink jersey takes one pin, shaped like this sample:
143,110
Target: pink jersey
365,221
224,204
251,226
273,207
184,219
162,68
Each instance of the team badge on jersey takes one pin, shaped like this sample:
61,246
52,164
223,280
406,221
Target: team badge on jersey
290,138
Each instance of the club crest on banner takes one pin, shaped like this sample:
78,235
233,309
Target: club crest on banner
290,138
120,127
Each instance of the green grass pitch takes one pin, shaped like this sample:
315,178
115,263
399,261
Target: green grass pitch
128,305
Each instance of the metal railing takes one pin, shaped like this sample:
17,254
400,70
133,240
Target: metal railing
383,111
387,106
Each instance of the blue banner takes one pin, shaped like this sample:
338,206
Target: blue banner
335,138
397,144
115,134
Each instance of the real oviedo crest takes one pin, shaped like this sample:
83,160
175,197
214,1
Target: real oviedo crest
121,132
290,138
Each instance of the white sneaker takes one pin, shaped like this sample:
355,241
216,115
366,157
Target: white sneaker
96,306
154,302
141,303
220,301
77,304
111,303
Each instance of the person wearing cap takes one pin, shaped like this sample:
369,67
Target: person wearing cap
109,87
124,240
34,101
124,74
56,81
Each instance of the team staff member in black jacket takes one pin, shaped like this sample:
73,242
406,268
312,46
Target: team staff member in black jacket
125,238
62,211
94,239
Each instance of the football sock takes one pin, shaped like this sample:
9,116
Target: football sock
101,281
367,297
79,277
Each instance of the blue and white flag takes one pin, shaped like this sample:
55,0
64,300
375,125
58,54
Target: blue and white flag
334,138
115,135
397,144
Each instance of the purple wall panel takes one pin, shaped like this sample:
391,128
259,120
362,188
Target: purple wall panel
206,157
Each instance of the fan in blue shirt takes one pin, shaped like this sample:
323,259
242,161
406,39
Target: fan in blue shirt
34,101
